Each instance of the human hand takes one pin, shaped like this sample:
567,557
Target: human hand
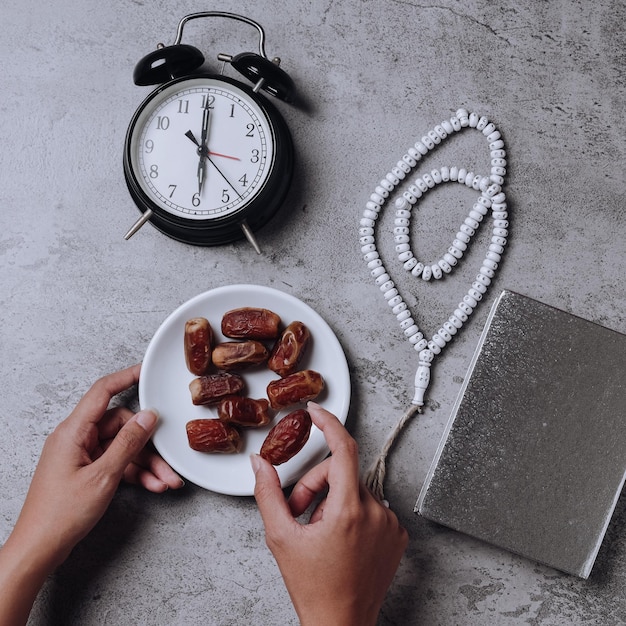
82,464
338,567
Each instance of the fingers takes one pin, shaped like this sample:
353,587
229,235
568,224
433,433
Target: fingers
128,442
112,421
314,482
270,499
155,465
343,472
339,473
147,469
150,471
137,475
318,512
94,403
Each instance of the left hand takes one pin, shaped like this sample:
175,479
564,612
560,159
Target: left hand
82,464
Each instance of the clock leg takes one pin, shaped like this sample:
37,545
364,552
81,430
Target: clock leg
250,236
145,216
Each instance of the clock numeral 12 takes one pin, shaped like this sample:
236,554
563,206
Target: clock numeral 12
211,100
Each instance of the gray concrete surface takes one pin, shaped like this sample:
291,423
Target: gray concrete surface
78,301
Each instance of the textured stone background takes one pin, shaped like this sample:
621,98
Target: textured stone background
78,301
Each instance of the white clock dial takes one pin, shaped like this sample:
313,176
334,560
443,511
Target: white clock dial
181,179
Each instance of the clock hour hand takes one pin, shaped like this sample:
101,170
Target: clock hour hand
201,173
191,136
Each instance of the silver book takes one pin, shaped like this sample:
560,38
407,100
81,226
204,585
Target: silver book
533,459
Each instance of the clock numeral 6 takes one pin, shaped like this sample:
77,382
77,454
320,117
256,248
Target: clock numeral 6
195,199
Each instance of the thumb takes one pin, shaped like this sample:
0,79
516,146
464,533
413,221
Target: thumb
129,441
269,496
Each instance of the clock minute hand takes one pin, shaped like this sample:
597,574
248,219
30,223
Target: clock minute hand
205,126
203,149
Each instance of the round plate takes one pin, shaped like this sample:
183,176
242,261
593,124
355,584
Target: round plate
164,386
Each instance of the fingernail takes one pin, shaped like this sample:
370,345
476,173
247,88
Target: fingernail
146,419
255,461
313,405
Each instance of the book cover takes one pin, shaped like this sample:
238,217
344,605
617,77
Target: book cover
533,459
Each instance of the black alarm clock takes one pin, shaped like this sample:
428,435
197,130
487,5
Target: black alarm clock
208,159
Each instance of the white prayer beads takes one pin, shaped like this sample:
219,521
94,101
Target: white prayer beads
492,197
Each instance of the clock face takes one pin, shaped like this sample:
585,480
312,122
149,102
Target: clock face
177,175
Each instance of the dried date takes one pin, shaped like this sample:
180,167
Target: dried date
198,345
289,349
210,435
297,387
213,387
250,323
287,438
237,355
243,411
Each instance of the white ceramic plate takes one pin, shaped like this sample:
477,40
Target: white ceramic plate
164,386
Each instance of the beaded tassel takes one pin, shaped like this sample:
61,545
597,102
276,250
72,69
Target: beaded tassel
491,197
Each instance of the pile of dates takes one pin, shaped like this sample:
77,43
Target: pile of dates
219,382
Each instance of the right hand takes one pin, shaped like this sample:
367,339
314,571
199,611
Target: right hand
338,567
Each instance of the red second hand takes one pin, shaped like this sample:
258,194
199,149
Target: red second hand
226,156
